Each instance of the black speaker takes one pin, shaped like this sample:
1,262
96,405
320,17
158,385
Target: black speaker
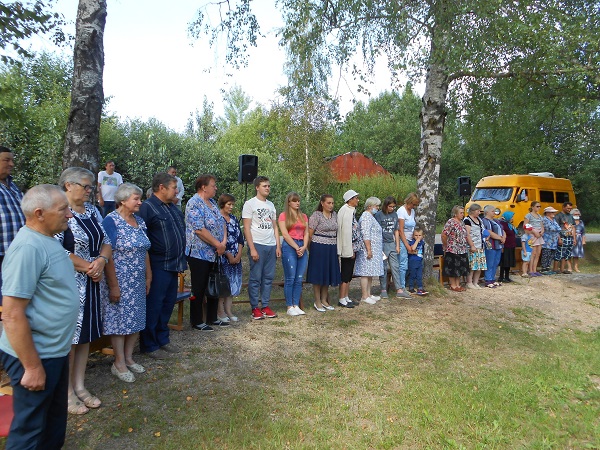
464,186
248,168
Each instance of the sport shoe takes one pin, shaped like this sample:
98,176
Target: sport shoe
476,286
375,297
299,311
233,319
268,312
401,293
292,311
471,286
171,348
220,323
256,314
223,319
369,300
384,294
422,292
345,303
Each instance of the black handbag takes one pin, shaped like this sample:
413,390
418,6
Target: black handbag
218,283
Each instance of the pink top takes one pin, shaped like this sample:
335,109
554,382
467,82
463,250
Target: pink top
297,231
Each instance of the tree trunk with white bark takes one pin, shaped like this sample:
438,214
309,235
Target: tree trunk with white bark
433,115
87,95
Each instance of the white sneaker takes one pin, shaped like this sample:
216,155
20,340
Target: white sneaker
476,286
470,286
292,311
299,312
233,318
369,300
375,297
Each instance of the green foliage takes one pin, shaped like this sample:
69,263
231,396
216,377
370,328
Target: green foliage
34,107
236,106
379,186
21,20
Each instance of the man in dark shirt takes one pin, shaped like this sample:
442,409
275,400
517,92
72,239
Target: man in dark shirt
166,231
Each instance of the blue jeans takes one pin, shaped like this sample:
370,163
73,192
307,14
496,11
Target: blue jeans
293,270
389,249
492,258
402,265
40,417
261,274
415,272
159,307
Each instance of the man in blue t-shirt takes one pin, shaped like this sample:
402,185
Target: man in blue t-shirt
40,307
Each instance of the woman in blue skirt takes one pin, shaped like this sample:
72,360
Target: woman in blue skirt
323,263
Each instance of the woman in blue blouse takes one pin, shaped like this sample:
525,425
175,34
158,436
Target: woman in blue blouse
232,258
206,238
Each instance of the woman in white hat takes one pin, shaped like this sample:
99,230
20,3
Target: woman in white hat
551,231
348,243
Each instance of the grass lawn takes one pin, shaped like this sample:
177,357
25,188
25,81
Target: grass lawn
444,372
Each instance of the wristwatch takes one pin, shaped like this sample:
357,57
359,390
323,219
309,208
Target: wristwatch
104,258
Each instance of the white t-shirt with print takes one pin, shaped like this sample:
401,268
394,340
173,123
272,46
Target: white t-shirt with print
108,185
262,214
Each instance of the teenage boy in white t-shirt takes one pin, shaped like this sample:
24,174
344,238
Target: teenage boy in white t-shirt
260,230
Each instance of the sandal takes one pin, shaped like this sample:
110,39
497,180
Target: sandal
88,399
457,289
74,407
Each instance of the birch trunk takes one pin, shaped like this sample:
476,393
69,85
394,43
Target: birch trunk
87,95
433,115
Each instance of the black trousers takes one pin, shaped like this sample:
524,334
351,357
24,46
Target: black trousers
199,270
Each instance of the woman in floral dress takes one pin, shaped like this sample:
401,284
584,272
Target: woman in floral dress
369,259
90,251
123,318
232,258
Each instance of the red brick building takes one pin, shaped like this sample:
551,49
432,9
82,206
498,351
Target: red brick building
354,163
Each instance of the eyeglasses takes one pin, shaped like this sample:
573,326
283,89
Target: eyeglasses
87,187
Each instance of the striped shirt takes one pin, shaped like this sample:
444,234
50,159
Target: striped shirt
11,215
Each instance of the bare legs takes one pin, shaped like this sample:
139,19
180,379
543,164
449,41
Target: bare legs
473,278
321,294
535,257
344,289
78,361
123,346
365,286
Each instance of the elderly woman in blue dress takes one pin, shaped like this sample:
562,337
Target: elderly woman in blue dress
369,259
232,258
123,318
90,251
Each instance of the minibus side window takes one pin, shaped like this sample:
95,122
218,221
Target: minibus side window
562,197
547,196
522,196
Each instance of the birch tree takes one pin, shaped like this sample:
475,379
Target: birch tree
87,94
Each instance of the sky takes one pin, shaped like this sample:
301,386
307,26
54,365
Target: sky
154,69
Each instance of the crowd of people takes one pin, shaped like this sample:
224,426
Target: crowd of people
72,273
481,243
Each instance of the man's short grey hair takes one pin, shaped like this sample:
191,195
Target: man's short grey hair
75,175
372,201
488,208
42,196
126,190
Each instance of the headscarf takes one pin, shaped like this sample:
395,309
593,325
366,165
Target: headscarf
507,216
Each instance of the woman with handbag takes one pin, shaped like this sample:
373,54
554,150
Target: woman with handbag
206,238
231,259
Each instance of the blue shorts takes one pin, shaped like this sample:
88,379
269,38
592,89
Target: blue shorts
526,256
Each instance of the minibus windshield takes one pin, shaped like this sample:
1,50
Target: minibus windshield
498,194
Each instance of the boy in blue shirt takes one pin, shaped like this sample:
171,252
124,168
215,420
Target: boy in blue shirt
415,263
526,250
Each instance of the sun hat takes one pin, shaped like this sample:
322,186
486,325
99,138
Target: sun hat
549,209
350,194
